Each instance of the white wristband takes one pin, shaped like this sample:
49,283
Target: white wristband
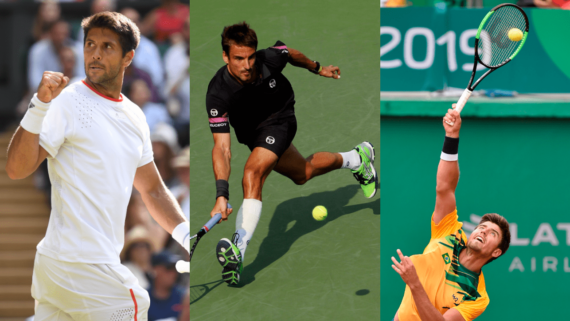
34,117
181,234
449,157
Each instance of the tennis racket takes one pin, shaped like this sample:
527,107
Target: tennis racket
205,229
183,266
493,47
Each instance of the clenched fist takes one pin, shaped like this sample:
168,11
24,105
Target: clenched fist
452,123
51,85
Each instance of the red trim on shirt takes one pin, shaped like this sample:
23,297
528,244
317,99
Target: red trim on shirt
135,301
100,94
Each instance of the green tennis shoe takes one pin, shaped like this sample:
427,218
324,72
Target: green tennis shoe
230,276
230,259
366,174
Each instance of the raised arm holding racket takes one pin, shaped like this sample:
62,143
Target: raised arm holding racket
497,42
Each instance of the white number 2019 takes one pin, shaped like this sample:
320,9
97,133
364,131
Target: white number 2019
448,39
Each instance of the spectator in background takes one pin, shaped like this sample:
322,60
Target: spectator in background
155,113
147,56
177,62
393,3
48,13
67,58
166,20
103,5
553,4
133,73
137,253
182,192
165,146
167,300
96,7
44,54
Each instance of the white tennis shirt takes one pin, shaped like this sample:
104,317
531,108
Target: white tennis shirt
95,145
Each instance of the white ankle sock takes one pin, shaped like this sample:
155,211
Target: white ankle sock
246,222
351,160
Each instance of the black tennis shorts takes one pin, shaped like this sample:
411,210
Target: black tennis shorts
275,137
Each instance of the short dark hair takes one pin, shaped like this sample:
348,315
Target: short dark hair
239,34
504,226
129,33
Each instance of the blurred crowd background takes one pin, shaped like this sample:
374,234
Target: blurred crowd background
47,35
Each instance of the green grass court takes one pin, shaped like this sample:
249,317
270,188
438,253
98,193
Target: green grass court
295,267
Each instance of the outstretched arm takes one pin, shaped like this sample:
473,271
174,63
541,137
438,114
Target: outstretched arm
448,169
221,159
298,59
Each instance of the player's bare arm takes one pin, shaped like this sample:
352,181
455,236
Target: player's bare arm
448,170
405,268
298,59
221,160
161,204
24,152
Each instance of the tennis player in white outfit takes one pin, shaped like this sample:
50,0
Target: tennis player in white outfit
98,145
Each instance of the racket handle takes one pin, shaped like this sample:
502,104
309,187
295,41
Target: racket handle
183,266
463,100
213,221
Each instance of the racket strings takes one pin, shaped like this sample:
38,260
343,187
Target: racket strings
495,47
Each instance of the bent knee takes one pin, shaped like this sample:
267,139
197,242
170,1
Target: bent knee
251,175
300,180
252,179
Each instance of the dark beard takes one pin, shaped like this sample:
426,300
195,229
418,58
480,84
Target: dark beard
107,80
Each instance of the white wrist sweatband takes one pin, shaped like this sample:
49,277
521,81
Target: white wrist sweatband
449,157
34,117
181,234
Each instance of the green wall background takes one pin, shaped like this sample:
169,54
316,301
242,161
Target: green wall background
543,57
517,167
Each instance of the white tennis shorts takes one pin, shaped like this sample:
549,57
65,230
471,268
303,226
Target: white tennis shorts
86,292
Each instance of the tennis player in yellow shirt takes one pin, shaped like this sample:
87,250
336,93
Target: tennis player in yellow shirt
446,283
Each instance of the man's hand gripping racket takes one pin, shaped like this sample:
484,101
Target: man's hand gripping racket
183,266
493,47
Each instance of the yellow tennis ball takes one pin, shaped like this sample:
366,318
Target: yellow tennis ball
320,213
515,34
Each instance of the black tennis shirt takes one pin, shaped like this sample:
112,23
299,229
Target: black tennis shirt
266,101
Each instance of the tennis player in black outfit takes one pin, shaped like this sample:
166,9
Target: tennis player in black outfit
252,95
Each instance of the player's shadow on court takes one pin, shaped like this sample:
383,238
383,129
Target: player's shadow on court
298,211
199,291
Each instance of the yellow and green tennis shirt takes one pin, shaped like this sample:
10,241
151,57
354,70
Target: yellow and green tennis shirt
447,284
